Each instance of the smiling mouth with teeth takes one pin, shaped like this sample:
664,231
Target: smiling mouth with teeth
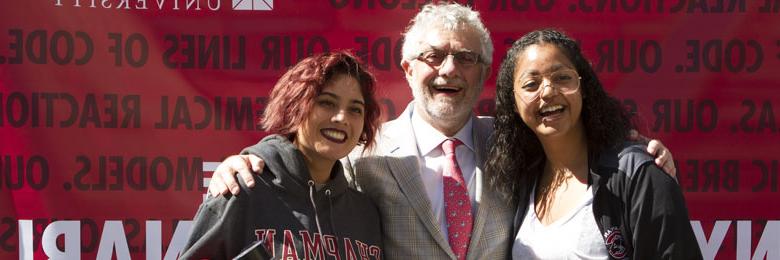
550,110
446,89
334,135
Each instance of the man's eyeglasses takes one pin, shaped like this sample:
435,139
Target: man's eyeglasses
435,57
530,87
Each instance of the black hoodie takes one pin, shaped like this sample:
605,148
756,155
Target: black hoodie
639,209
288,214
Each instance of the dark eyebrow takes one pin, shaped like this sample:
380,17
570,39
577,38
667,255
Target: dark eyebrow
554,68
333,95
329,94
558,67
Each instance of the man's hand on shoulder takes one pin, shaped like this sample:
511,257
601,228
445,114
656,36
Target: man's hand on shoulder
663,157
224,179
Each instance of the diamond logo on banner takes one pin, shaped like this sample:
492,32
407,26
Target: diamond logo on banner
256,5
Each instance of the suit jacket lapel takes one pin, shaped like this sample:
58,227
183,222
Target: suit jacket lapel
403,159
481,130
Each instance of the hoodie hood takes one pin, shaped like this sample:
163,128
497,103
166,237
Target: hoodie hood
287,164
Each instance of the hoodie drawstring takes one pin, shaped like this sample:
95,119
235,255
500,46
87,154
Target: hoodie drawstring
313,205
330,211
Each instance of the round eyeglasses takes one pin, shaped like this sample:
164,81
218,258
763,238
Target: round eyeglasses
530,87
435,58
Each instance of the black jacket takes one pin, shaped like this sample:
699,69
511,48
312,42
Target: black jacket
287,213
639,209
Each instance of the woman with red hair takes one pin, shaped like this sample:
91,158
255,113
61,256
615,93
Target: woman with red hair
302,205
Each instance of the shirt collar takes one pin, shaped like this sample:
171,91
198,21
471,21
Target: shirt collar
429,138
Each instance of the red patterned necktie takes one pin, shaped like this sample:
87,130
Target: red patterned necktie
457,204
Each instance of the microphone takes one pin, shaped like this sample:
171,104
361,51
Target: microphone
254,252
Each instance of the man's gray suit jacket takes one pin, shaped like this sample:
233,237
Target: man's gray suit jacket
390,174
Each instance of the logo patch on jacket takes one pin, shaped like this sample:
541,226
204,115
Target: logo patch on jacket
615,243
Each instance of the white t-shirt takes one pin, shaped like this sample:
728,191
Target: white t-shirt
573,236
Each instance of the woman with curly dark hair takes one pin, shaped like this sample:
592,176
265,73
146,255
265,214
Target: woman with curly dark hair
559,147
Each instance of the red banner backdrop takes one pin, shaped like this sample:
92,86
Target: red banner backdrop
112,111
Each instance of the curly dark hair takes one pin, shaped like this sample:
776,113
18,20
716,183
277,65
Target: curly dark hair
516,158
293,95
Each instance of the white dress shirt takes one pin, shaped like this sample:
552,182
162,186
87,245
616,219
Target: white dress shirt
433,162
